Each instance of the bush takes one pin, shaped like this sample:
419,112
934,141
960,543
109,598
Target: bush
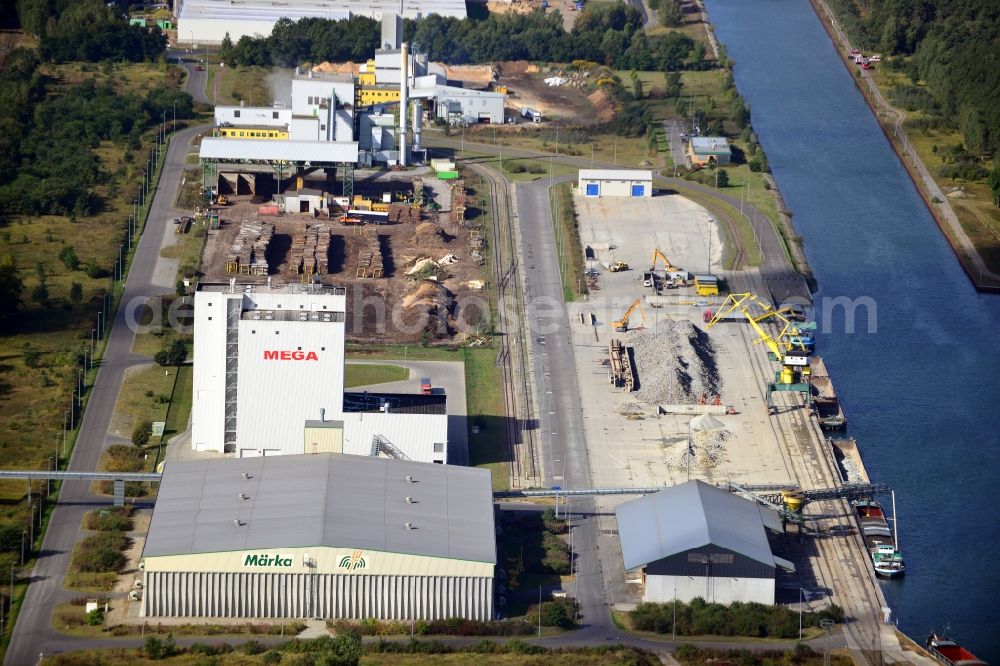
142,432
557,613
157,649
172,353
100,553
95,617
738,619
115,519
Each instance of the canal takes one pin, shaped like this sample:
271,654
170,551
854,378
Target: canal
918,379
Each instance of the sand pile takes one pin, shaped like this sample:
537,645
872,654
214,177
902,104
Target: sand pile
705,451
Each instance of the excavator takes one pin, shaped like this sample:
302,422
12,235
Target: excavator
667,266
621,325
794,372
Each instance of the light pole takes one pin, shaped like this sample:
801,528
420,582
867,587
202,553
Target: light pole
800,613
826,625
539,611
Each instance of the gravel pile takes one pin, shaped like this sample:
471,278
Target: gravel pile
630,407
676,364
850,469
706,451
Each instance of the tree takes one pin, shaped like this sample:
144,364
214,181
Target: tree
973,130
76,293
40,294
172,353
11,285
721,178
994,182
670,13
67,255
716,128
142,432
672,84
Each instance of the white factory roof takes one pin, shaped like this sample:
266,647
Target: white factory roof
213,148
616,174
693,515
337,501
272,10
710,145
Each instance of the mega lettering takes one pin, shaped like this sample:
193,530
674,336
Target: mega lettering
282,355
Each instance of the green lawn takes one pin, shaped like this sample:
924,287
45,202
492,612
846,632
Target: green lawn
145,394
363,374
244,84
568,245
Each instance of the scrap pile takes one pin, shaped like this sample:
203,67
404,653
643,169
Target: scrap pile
704,450
310,252
476,245
675,362
248,253
403,213
370,256
458,201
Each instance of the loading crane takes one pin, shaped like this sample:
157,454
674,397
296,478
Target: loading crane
621,325
667,266
794,372
789,501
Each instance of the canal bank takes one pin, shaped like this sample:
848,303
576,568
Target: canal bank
937,203
904,334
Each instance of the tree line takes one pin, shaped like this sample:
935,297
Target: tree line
611,34
47,160
87,30
949,45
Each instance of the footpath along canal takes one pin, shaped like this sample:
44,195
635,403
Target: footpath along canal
919,385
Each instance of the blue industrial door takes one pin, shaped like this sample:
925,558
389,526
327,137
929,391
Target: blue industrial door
593,190
638,190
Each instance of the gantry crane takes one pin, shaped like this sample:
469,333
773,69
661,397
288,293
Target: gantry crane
667,266
789,501
621,325
794,372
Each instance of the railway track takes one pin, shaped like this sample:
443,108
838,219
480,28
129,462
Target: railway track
510,315
838,561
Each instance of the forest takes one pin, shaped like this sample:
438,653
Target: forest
47,162
608,33
953,48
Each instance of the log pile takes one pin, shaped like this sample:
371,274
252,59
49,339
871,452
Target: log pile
370,256
310,251
248,253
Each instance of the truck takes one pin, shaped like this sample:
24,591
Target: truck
531,114
425,386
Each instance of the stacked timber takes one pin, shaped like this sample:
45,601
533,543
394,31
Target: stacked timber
248,253
310,251
370,256
404,213
458,202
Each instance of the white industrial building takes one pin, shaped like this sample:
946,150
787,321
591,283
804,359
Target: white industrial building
320,536
696,540
265,360
209,21
615,182
269,380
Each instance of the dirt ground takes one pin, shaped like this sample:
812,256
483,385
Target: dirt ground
526,87
398,308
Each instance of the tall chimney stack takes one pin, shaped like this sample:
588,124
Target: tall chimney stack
404,75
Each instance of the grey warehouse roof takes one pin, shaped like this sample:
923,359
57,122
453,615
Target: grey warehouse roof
338,501
214,148
272,10
693,515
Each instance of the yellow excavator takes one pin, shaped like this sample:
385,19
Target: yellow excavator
621,325
667,266
617,266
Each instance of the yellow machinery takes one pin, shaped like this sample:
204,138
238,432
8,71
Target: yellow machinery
222,200
621,325
706,285
794,372
617,266
667,266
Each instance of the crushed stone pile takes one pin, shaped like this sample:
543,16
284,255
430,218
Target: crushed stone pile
676,364
706,450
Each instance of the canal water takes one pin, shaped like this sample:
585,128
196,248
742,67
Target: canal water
920,389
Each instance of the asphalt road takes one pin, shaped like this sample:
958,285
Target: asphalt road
566,462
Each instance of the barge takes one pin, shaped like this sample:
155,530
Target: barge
825,402
951,653
879,539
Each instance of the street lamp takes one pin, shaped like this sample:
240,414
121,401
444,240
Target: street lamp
800,613
826,625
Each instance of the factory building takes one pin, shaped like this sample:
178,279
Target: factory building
696,540
320,536
615,182
201,22
265,361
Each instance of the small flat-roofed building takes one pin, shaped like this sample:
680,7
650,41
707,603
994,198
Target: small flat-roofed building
707,150
615,183
696,540
320,536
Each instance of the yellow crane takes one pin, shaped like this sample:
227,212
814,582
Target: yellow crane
794,365
667,266
621,325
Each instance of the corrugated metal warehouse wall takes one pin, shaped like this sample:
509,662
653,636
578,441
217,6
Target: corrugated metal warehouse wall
303,595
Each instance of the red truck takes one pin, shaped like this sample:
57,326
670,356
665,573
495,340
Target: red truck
425,386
